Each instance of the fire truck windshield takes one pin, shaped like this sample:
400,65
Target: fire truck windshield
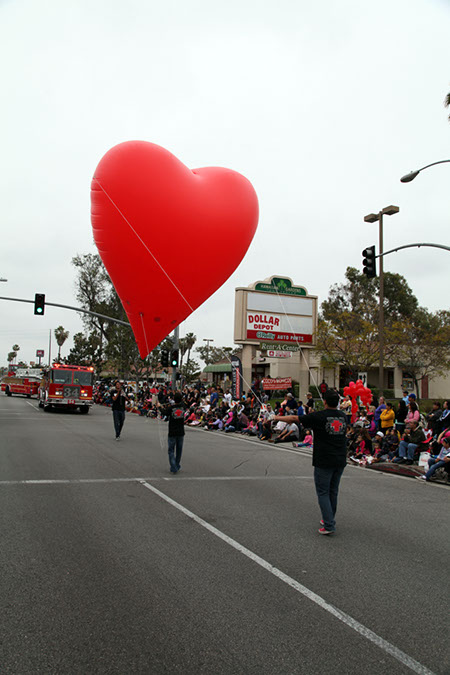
82,377
62,376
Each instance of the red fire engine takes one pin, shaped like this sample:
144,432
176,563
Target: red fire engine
27,386
69,386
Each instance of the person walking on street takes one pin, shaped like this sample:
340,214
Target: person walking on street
329,455
118,408
175,414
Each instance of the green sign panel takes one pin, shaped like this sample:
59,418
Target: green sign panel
281,286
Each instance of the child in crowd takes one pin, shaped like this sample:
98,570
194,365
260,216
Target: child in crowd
363,447
307,441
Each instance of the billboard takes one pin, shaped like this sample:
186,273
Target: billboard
274,313
277,383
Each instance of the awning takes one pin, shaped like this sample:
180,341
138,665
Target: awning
218,368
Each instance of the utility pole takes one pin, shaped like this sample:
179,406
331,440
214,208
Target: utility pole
176,345
207,340
372,218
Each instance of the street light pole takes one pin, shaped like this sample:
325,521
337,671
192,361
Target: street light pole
176,345
372,218
208,340
412,174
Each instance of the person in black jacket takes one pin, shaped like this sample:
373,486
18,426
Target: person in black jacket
175,415
329,455
118,408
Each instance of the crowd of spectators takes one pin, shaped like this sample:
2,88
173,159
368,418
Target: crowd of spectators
380,433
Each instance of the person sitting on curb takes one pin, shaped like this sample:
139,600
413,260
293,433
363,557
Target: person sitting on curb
307,441
411,439
435,463
290,432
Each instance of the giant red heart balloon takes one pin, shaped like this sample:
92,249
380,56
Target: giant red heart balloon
168,236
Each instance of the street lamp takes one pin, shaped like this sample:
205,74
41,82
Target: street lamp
208,340
372,218
412,174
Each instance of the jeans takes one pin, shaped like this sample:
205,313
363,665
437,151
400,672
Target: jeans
327,488
175,452
433,465
119,419
406,449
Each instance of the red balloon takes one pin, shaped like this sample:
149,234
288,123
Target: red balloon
351,384
169,237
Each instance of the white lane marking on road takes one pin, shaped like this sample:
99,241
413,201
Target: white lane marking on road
22,417
386,646
68,481
32,405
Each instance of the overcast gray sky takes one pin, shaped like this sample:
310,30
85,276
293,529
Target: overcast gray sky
321,105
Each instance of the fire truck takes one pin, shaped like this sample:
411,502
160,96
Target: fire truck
26,386
68,386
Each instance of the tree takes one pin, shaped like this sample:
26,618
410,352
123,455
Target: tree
61,336
96,293
447,102
348,325
424,350
190,340
11,356
191,371
360,295
84,351
216,354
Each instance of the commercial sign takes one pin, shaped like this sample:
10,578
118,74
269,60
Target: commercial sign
279,346
280,285
278,354
236,377
39,352
277,383
275,312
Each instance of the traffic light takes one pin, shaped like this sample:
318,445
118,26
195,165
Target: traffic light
369,264
174,358
39,303
164,357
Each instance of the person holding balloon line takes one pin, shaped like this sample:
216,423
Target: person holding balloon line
118,408
329,455
175,415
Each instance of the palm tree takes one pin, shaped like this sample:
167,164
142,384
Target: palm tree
189,340
61,336
447,102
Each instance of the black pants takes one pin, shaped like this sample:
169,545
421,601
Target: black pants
119,419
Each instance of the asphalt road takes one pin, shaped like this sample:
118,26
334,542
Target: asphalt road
109,564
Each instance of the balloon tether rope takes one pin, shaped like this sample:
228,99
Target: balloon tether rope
299,345
144,245
145,334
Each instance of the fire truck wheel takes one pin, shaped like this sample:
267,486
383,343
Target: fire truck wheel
84,409
40,404
47,407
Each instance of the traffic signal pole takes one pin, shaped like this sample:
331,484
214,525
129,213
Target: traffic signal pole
176,335
381,309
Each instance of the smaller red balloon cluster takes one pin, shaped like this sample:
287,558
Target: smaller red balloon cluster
356,389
